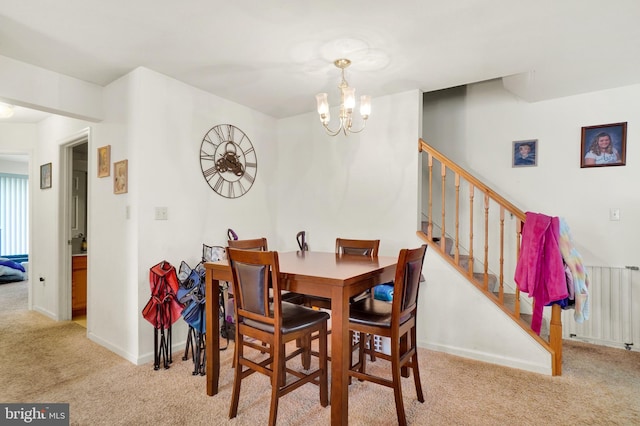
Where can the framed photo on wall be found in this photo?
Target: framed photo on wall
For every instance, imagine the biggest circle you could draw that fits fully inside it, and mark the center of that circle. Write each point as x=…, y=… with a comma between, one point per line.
x=120, y=177
x=525, y=153
x=604, y=145
x=104, y=161
x=45, y=176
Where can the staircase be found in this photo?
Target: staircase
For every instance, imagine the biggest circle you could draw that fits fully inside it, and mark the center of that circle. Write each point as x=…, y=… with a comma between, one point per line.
x=451, y=224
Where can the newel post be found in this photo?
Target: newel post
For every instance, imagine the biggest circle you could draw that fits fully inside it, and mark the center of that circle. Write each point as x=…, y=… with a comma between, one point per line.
x=555, y=339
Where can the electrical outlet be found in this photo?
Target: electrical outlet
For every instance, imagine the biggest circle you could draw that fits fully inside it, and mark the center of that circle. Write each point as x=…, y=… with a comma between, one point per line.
x=162, y=213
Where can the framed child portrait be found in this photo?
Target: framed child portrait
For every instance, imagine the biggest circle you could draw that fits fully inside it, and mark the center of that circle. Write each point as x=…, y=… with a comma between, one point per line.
x=104, y=161
x=525, y=153
x=120, y=177
x=604, y=145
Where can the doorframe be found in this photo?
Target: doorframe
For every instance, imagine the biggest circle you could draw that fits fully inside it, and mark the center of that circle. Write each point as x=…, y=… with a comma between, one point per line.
x=64, y=227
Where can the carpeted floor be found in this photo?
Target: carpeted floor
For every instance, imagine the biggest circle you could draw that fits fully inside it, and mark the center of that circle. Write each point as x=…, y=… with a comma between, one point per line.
x=48, y=361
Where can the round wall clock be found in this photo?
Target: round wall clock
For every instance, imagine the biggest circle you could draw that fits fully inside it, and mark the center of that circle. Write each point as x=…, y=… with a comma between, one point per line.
x=228, y=161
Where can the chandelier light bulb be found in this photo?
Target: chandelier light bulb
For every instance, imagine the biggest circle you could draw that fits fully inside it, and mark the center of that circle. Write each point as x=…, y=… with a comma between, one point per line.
x=365, y=106
x=349, y=97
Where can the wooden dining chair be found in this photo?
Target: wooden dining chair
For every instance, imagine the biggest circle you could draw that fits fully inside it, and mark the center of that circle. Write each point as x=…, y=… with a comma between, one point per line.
x=396, y=321
x=358, y=247
x=367, y=248
x=260, y=319
x=344, y=246
x=259, y=244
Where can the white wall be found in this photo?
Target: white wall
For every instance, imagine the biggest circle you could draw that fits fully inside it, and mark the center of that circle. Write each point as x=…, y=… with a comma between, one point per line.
x=34, y=87
x=47, y=237
x=170, y=120
x=15, y=166
x=157, y=124
x=456, y=318
x=359, y=186
x=489, y=119
x=17, y=138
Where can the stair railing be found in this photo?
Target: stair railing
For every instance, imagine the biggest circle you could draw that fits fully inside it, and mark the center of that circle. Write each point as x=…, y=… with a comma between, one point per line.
x=452, y=194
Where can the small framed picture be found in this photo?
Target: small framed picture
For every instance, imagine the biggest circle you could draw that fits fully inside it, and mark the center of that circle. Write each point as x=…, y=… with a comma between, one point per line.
x=604, y=145
x=104, y=161
x=120, y=177
x=45, y=176
x=525, y=153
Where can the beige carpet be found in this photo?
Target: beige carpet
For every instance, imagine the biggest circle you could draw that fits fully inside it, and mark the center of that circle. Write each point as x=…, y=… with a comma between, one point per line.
x=49, y=361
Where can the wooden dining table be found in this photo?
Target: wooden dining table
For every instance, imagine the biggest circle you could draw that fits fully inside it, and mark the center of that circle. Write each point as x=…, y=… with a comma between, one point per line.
x=315, y=273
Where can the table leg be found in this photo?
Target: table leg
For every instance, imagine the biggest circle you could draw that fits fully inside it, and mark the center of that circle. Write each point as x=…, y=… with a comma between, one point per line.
x=212, y=344
x=340, y=356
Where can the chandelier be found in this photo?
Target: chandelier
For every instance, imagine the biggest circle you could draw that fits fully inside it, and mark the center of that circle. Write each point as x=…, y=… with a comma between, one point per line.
x=347, y=103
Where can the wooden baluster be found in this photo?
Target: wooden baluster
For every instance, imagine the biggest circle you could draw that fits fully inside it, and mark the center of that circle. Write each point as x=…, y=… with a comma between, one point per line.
x=443, y=174
x=456, y=252
x=471, y=194
x=518, y=237
x=485, y=281
x=430, y=209
x=501, y=291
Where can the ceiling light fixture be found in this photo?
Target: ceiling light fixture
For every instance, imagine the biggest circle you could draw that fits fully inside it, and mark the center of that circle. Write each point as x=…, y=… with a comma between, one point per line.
x=347, y=103
x=6, y=111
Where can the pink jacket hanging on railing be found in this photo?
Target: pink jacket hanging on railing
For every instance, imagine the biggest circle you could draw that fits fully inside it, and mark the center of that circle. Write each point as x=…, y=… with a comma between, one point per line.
x=540, y=270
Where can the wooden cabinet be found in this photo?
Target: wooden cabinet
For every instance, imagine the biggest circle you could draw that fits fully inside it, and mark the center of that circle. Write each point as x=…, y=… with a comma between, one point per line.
x=79, y=285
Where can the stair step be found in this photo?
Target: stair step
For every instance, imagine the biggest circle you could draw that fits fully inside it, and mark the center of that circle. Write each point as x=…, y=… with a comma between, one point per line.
x=508, y=300
x=492, y=280
x=544, y=329
x=448, y=244
x=463, y=261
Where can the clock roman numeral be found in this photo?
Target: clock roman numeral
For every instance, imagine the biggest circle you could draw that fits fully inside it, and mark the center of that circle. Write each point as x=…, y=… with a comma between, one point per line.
x=236, y=188
x=208, y=140
x=219, y=133
x=230, y=130
x=211, y=171
x=249, y=178
x=207, y=156
x=218, y=186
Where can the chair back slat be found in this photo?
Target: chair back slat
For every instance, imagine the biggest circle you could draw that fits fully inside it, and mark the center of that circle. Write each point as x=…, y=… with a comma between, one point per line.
x=357, y=247
x=257, y=244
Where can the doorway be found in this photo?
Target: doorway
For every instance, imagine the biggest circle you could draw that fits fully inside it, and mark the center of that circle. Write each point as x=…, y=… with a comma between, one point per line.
x=74, y=227
x=78, y=232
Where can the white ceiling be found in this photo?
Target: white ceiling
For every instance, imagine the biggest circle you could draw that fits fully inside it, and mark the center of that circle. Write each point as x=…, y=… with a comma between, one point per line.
x=274, y=55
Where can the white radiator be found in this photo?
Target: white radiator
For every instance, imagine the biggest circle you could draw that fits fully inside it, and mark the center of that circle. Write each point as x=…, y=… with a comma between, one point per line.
x=612, y=314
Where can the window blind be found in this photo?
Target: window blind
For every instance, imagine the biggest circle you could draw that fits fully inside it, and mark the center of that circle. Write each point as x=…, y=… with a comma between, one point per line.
x=14, y=214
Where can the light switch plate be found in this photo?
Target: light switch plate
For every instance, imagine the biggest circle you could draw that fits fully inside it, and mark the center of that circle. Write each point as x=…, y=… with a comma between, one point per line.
x=614, y=214
x=162, y=213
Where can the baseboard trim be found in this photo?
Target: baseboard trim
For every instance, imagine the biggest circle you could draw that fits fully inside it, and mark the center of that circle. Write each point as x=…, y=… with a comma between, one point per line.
x=490, y=358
